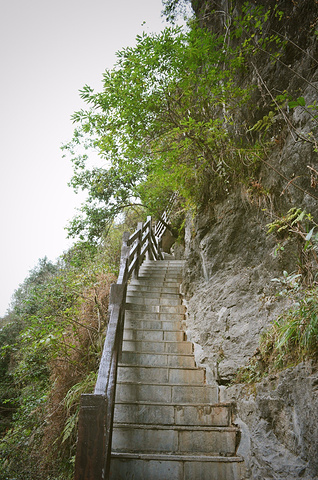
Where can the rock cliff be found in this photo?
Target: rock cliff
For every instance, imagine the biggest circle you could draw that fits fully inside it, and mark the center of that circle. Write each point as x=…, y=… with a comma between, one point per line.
x=231, y=260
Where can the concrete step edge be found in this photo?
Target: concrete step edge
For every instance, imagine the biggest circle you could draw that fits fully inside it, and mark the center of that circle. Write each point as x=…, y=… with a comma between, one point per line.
x=177, y=316
x=153, y=289
x=181, y=342
x=144, y=308
x=174, y=324
x=174, y=404
x=159, y=276
x=184, y=428
x=159, y=384
x=131, y=365
x=174, y=457
x=138, y=293
x=151, y=330
x=145, y=281
x=162, y=384
x=159, y=295
x=170, y=354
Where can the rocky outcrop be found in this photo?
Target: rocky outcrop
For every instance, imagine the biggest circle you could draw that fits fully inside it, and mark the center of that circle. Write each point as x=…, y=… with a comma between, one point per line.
x=278, y=422
x=230, y=296
x=230, y=262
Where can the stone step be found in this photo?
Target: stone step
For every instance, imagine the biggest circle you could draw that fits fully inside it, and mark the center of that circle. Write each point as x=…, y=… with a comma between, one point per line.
x=160, y=375
x=157, y=347
x=173, y=414
x=175, y=467
x=168, y=424
x=154, y=289
x=157, y=272
x=157, y=359
x=151, y=295
x=163, y=262
x=156, y=267
x=161, y=265
x=159, y=279
x=174, y=439
x=138, y=299
x=166, y=273
x=178, y=309
x=153, y=316
x=154, y=335
x=175, y=270
x=139, y=324
x=171, y=393
x=178, y=265
x=154, y=283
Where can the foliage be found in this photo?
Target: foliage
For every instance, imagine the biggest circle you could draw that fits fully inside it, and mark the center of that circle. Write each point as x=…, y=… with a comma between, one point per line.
x=291, y=339
x=164, y=122
x=252, y=27
x=294, y=335
x=299, y=225
x=281, y=106
x=173, y=9
x=52, y=342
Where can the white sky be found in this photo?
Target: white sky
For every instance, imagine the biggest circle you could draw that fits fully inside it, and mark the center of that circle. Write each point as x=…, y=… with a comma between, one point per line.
x=49, y=50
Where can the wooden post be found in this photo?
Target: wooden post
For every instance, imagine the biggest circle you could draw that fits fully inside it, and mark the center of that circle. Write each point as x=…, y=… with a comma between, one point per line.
x=139, y=240
x=91, y=441
x=123, y=259
x=149, y=252
x=96, y=411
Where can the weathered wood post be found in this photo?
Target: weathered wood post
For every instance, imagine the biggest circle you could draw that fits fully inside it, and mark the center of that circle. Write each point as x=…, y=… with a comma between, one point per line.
x=138, y=250
x=97, y=410
x=149, y=251
x=89, y=463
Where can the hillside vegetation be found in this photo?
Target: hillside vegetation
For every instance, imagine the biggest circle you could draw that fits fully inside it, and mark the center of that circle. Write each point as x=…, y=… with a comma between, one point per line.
x=50, y=346
x=189, y=110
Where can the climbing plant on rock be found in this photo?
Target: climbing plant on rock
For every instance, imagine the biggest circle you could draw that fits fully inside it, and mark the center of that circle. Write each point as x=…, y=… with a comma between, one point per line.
x=164, y=121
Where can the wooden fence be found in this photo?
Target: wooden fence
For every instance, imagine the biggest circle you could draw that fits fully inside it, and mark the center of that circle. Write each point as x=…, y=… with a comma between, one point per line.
x=97, y=409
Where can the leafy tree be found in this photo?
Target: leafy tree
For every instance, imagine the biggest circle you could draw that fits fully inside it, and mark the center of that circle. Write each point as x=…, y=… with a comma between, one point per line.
x=173, y=9
x=51, y=341
x=163, y=122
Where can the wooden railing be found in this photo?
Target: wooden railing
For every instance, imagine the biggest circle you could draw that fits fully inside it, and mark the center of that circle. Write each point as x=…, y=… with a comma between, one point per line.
x=97, y=409
x=161, y=225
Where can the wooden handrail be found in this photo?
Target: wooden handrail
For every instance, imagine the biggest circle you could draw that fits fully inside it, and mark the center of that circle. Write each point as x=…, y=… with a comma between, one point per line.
x=97, y=410
x=161, y=225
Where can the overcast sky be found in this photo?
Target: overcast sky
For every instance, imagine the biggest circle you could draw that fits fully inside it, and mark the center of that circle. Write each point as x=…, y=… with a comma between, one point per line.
x=49, y=50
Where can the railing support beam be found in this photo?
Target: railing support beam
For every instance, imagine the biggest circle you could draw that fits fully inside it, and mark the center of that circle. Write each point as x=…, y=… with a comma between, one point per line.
x=97, y=410
x=91, y=441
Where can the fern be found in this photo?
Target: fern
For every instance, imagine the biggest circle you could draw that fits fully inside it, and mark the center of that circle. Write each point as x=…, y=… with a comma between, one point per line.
x=70, y=426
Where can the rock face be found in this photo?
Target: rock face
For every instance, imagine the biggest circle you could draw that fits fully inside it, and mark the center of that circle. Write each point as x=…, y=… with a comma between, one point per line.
x=230, y=262
x=279, y=425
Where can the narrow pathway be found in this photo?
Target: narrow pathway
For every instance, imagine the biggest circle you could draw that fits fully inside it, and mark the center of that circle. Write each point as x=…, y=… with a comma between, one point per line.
x=168, y=424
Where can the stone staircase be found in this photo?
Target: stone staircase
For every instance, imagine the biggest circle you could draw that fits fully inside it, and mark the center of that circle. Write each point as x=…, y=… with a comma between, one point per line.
x=168, y=424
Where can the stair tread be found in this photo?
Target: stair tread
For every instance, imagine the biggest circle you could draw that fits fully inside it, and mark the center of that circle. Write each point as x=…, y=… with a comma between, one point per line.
x=144, y=352
x=154, y=330
x=203, y=385
x=175, y=404
x=176, y=457
x=202, y=428
x=169, y=417
x=158, y=341
x=162, y=384
x=130, y=365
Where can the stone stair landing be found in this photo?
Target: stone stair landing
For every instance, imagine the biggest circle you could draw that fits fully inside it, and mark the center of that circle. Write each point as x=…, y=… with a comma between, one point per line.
x=168, y=424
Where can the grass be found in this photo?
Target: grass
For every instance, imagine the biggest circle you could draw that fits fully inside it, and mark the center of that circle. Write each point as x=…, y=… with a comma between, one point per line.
x=292, y=339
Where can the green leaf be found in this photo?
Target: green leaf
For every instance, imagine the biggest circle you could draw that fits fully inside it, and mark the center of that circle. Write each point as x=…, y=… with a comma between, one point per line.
x=296, y=103
x=310, y=234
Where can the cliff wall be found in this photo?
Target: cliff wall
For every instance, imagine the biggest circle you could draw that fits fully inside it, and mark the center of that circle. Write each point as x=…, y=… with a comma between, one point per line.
x=231, y=261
